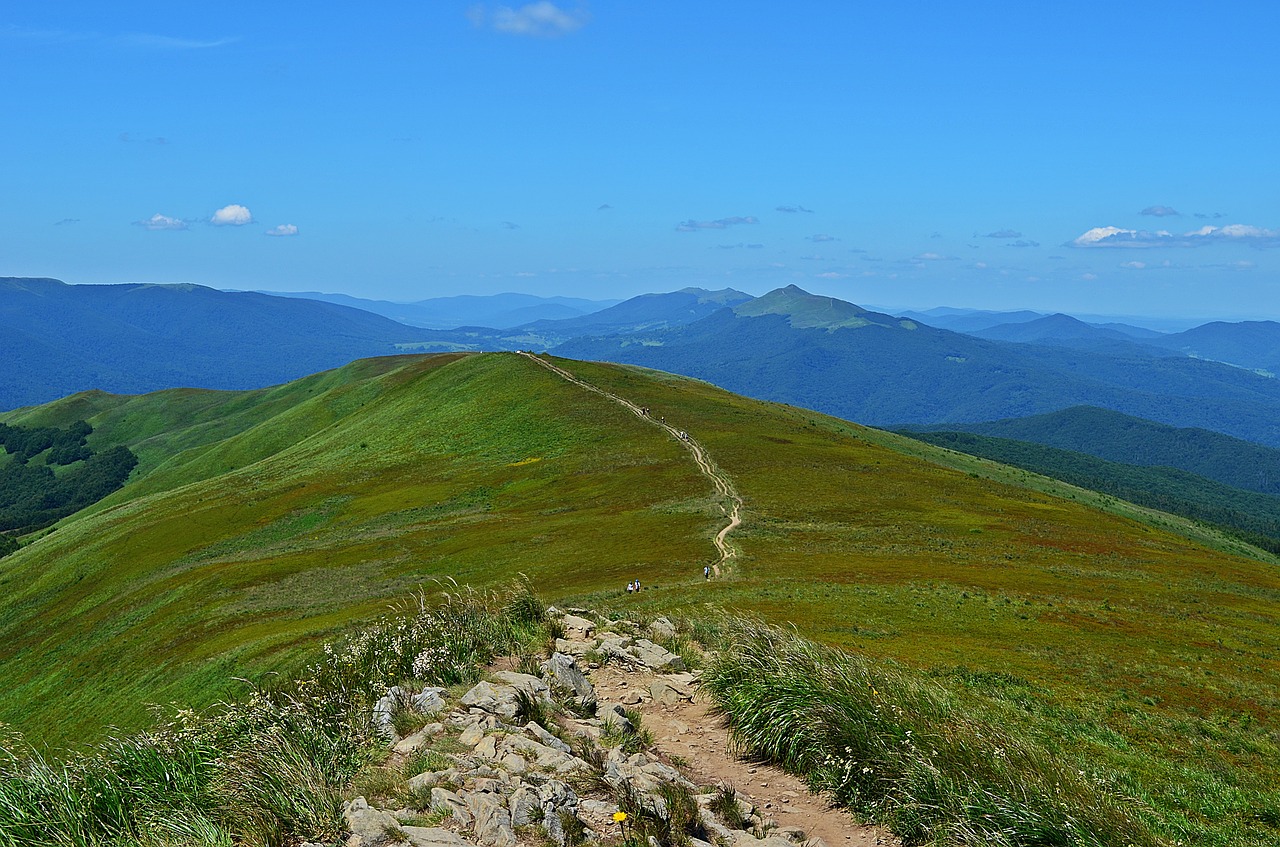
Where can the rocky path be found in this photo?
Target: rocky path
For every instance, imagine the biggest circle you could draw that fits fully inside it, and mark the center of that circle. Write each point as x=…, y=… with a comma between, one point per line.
x=731, y=502
x=497, y=778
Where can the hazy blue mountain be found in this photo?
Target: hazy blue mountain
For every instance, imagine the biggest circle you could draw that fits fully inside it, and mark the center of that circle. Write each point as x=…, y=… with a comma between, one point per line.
x=882, y=370
x=1123, y=438
x=643, y=313
x=968, y=320
x=1246, y=344
x=59, y=338
x=498, y=311
x=1052, y=328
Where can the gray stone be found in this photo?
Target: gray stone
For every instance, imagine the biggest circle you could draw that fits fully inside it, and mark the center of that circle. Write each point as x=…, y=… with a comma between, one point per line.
x=494, y=699
x=372, y=826
x=525, y=681
x=443, y=798
x=717, y=830
x=562, y=670
x=668, y=694
x=429, y=701
x=583, y=625
x=656, y=657
x=540, y=733
x=514, y=763
x=632, y=698
x=794, y=834
x=523, y=803
x=387, y=706
x=418, y=740
x=662, y=628
x=471, y=735
x=492, y=819
x=431, y=836
x=574, y=648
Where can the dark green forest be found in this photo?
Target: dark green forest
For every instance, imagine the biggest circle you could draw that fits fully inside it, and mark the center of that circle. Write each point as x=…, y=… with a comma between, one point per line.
x=33, y=495
x=1250, y=516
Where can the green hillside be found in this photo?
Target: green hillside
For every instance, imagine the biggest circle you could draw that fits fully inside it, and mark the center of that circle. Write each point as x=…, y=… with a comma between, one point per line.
x=261, y=523
x=1251, y=516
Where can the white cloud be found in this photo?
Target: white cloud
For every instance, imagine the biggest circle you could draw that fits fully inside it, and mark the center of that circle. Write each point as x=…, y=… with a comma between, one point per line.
x=542, y=19
x=934, y=257
x=1088, y=277
x=1160, y=211
x=233, y=215
x=159, y=222
x=1114, y=236
x=831, y=275
x=1133, y=266
x=820, y=237
x=282, y=230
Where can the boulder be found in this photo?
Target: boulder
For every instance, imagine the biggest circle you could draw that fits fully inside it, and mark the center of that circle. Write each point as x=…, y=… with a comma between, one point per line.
x=429, y=701
x=443, y=798
x=562, y=670
x=669, y=690
x=495, y=699
x=541, y=735
x=574, y=648
x=582, y=625
x=418, y=740
x=371, y=826
x=492, y=819
x=656, y=657
x=431, y=836
x=662, y=628
x=471, y=736
x=525, y=681
x=523, y=804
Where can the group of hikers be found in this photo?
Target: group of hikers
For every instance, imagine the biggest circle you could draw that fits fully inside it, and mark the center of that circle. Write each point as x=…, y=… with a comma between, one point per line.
x=634, y=585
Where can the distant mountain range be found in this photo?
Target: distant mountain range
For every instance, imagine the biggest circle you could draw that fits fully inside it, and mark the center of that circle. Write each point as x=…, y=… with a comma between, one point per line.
x=789, y=345
x=59, y=339
x=498, y=311
x=798, y=348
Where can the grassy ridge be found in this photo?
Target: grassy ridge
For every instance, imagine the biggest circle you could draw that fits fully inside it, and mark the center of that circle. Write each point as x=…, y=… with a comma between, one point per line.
x=472, y=469
x=1093, y=626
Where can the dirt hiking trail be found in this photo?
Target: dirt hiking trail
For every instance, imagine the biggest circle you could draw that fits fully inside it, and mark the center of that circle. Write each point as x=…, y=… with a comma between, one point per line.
x=731, y=502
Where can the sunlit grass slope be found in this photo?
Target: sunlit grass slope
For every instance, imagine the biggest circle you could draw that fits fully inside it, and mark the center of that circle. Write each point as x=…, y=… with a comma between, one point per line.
x=267, y=520
x=327, y=500
x=1093, y=624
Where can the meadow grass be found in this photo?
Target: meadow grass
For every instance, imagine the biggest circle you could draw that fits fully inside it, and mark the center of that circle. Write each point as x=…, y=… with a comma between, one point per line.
x=269, y=768
x=1094, y=628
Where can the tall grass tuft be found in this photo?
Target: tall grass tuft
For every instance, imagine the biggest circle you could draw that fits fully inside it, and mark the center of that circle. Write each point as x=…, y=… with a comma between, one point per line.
x=269, y=768
x=900, y=751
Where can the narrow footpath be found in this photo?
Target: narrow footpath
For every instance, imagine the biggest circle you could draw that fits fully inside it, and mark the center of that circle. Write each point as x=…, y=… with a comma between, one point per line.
x=730, y=501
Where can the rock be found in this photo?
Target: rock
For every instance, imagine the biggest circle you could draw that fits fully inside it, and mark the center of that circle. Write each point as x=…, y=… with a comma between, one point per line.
x=494, y=699
x=492, y=819
x=562, y=670
x=574, y=648
x=523, y=804
x=372, y=826
x=488, y=747
x=430, y=836
x=613, y=713
x=794, y=834
x=471, y=736
x=632, y=698
x=429, y=701
x=773, y=840
x=655, y=657
x=719, y=833
x=662, y=628
x=543, y=736
x=583, y=625
x=442, y=798
x=668, y=691
x=525, y=681
x=387, y=706
x=514, y=763
x=418, y=740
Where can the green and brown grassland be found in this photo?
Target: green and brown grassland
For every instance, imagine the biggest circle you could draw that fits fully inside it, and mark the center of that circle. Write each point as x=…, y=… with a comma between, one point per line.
x=1138, y=647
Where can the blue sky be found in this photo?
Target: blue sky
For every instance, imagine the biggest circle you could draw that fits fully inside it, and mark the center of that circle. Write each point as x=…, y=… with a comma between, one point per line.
x=1119, y=159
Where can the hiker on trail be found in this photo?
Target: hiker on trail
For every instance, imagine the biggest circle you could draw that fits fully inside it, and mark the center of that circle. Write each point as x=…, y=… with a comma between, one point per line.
x=637, y=585
x=706, y=572
x=630, y=587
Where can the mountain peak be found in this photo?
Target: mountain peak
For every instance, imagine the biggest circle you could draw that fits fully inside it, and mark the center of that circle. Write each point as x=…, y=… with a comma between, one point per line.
x=805, y=310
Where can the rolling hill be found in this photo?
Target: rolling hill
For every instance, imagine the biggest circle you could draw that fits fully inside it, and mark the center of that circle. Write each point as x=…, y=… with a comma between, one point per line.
x=260, y=523
x=500, y=311
x=61, y=338
x=880, y=370
x=1135, y=441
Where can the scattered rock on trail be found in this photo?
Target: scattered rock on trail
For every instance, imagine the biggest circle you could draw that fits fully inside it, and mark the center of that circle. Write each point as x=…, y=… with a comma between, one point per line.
x=496, y=776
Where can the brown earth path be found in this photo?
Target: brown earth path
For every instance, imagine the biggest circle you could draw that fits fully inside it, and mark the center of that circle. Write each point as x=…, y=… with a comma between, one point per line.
x=691, y=736
x=731, y=502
